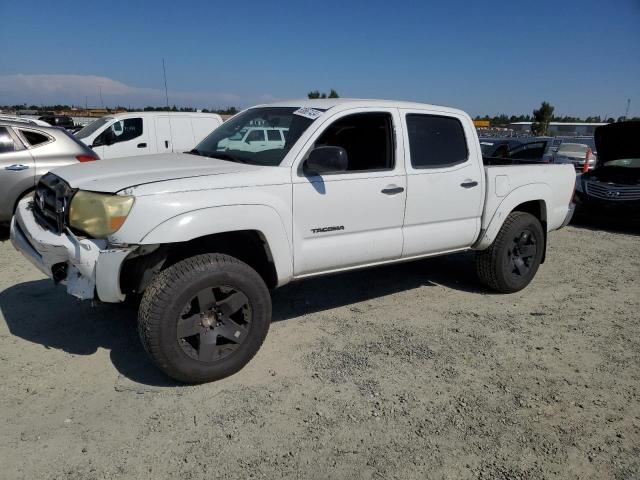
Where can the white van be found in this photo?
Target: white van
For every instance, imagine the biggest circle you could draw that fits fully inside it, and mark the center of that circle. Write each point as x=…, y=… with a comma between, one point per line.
x=146, y=133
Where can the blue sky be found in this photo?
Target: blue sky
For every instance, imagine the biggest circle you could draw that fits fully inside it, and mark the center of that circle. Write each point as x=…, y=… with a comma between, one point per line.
x=485, y=57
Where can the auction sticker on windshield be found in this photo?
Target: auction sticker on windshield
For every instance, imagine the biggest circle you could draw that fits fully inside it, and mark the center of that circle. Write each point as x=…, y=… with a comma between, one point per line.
x=307, y=112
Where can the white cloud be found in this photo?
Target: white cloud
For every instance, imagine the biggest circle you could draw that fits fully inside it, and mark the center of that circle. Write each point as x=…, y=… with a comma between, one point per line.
x=72, y=89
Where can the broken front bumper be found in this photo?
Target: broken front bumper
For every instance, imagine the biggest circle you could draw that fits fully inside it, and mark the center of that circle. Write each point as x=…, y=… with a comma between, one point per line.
x=86, y=266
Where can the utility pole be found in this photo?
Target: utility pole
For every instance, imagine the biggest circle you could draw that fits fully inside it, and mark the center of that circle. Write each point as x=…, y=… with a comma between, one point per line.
x=101, y=102
x=626, y=113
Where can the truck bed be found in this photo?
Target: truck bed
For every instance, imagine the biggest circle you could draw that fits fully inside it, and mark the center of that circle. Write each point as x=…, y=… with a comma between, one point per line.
x=509, y=185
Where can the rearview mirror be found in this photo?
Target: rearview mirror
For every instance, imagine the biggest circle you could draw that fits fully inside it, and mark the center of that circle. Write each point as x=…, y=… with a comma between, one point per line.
x=327, y=160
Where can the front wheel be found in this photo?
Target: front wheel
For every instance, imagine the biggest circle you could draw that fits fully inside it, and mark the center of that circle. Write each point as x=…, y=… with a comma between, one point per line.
x=512, y=260
x=204, y=318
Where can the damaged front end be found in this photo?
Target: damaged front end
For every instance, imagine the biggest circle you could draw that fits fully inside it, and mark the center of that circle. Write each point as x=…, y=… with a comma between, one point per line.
x=90, y=268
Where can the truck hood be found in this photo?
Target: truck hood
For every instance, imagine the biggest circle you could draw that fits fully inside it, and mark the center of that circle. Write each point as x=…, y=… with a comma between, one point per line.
x=116, y=174
x=617, y=140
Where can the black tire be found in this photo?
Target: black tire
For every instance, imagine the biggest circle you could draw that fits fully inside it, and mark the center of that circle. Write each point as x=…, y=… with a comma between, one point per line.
x=512, y=260
x=194, y=298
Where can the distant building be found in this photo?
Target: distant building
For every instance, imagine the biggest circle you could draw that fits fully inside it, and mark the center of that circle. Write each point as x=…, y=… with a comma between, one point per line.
x=482, y=123
x=569, y=129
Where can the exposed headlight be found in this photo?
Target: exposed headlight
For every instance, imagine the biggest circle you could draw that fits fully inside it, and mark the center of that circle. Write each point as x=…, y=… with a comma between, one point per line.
x=99, y=214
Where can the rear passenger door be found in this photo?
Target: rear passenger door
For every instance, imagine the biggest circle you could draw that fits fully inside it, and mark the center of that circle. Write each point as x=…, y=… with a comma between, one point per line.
x=444, y=183
x=352, y=217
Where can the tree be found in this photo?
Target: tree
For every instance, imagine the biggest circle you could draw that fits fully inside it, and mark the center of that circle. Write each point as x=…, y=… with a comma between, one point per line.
x=541, y=119
x=313, y=94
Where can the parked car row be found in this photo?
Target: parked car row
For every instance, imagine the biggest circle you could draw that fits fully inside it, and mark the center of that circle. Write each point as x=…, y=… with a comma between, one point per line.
x=144, y=133
x=576, y=151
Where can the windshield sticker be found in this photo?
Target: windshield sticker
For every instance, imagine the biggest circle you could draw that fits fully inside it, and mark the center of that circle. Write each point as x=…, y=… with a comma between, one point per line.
x=307, y=112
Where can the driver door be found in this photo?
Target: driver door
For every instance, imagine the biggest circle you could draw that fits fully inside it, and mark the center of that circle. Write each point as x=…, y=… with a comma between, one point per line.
x=123, y=138
x=352, y=217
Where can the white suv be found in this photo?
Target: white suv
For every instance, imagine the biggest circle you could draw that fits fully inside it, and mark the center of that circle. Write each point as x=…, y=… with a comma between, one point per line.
x=254, y=139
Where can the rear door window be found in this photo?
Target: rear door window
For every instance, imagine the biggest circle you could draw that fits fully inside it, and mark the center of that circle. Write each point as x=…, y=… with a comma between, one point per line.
x=34, y=138
x=436, y=141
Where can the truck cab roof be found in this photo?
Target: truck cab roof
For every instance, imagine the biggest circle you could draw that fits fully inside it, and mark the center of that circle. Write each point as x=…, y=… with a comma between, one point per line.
x=346, y=103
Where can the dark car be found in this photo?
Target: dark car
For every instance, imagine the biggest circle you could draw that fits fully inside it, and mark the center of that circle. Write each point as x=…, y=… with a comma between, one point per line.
x=612, y=188
x=62, y=121
x=497, y=147
x=524, y=150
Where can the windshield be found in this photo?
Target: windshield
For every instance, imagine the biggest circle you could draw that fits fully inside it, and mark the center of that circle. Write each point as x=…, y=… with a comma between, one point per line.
x=624, y=162
x=92, y=127
x=231, y=142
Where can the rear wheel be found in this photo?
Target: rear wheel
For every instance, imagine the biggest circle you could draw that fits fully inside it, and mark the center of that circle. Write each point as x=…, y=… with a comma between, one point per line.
x=204, y=318
x=512, y=260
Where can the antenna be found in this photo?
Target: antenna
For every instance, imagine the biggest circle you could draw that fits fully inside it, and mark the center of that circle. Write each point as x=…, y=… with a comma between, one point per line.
x=166, y=92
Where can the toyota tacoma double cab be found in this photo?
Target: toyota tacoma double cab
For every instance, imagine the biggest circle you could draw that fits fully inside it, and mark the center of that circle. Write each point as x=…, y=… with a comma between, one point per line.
x=204, y=236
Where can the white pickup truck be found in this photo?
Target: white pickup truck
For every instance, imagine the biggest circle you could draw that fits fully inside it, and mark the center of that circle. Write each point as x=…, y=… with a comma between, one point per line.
x=205, y=235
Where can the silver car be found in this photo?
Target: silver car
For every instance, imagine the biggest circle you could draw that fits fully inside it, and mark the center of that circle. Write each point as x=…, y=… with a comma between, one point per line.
x=29, y=151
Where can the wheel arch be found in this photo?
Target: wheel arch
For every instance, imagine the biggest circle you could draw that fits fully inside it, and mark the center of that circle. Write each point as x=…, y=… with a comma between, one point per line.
x=533, y=199
x=255, y=234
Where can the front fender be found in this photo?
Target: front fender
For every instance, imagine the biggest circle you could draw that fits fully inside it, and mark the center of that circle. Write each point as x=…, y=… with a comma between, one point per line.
x=208, y=221
x=526, y=193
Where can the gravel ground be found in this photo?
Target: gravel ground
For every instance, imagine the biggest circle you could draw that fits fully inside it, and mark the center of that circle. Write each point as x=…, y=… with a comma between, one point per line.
x=407, y=371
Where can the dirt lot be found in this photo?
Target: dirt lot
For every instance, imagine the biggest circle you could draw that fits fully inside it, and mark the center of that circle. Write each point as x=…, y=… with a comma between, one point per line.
x=408, y=371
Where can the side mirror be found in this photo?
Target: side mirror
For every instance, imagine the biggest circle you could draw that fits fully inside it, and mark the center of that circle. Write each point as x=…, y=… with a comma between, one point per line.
x=327, y=160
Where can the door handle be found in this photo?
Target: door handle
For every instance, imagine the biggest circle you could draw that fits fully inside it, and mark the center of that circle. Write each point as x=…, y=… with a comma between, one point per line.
x=166, y=144
x=392, y=190
x=142, y=145
x=469, y=184
x=16, y=167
